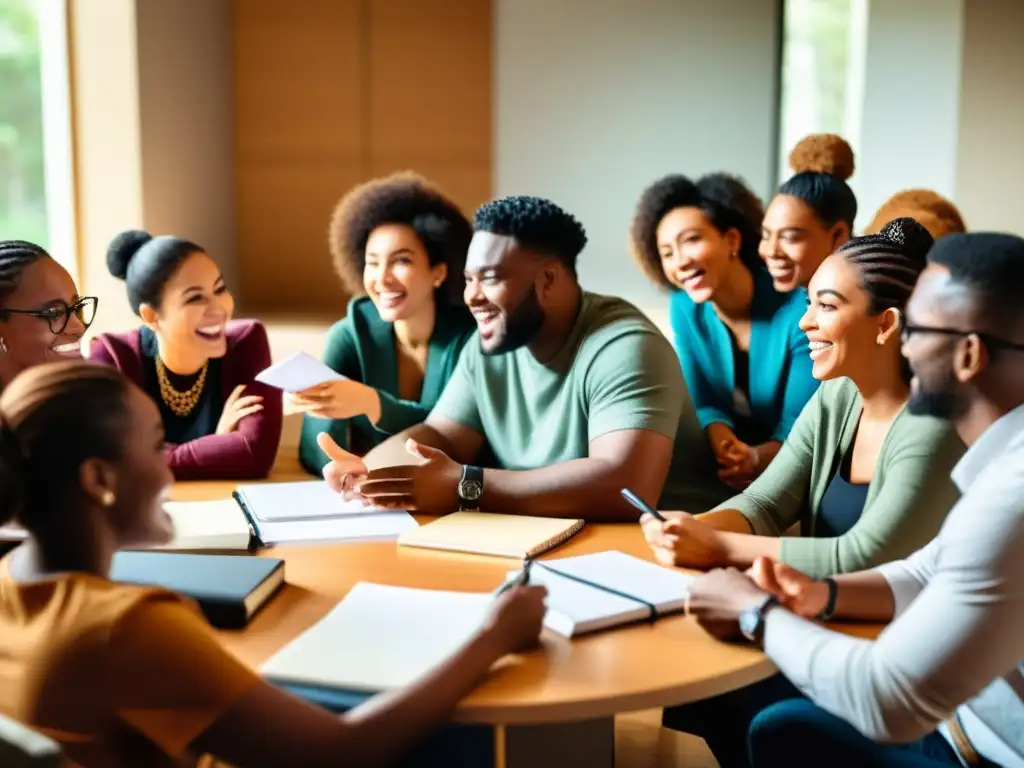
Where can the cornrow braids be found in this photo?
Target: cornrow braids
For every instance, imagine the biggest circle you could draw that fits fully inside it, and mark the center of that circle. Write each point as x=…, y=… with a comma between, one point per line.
x=890, y=262
x=15, y=256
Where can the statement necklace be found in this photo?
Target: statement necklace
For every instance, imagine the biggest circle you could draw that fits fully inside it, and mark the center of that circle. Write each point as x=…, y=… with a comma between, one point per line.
x=180, y=403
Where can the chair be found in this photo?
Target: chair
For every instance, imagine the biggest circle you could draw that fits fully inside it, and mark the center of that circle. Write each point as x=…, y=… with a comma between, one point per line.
x=21, y=747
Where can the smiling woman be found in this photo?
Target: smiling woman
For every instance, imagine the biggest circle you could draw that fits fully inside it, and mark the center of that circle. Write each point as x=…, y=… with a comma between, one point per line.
x=193, y=360
x=42, y=317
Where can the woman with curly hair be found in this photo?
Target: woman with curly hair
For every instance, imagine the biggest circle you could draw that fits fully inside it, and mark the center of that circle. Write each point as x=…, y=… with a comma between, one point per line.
x=699, y=241
x=399, y=246
x=813, y=212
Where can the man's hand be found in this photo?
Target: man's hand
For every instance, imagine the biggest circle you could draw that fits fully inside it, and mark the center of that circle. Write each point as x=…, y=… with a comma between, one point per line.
x=343, y=470
x=719, y=597
x=684, y=541
x=430, y=487
x=798, y=592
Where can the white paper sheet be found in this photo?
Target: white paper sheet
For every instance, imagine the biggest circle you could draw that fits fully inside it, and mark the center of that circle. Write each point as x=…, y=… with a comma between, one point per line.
x=304, y=500
x=298, y=372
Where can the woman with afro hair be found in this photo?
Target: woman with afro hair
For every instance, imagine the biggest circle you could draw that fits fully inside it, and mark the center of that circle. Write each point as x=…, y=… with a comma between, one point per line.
x=743, y=354
x=813, y=212
x=399, y=246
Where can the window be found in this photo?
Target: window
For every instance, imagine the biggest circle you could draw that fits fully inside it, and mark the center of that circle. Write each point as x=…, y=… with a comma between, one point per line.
x=22, y=170
x=822, y=71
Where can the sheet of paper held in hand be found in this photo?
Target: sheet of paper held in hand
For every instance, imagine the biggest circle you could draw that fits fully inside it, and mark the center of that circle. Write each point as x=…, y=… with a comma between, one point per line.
x=297, y=373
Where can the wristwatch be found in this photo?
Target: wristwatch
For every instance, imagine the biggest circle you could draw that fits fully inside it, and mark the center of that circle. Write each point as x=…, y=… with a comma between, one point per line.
x=751, y=620
x=471, y=488
x=830, y=607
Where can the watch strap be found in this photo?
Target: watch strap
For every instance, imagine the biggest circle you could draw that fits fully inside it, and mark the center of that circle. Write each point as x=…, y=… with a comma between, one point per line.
x=770, y=602
x=829, y=611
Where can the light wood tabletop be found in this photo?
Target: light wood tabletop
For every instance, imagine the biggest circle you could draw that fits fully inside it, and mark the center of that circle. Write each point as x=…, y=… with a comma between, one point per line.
x=648, y=665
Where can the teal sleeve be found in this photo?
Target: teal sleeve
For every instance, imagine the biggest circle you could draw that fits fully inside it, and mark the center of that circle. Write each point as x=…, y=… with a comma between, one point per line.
x=702, y=391
x=341, y=355
x=902, y=516
x=458, y=400
x=634, y=382
x=774, y=501
x=800, y=384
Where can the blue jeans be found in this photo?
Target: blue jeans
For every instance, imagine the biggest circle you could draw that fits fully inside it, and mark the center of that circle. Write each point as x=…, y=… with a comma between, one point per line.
x=771, y=723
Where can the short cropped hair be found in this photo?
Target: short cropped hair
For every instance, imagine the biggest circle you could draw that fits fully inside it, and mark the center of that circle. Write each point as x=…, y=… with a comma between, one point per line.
x=990, y=264
x=536, y=224
x=401, y=198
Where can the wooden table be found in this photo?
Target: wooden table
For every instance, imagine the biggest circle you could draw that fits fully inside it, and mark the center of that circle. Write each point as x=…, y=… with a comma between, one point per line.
x=553, y=706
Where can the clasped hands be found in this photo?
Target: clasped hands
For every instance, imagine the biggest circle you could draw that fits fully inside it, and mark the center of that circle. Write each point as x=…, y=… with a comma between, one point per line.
x=429, y=486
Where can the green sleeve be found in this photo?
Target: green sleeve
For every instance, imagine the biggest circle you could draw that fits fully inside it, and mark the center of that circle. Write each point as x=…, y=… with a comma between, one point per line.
x=341, y=355
x=906, y=512
x=458, y=400
x=775, y=500
x=634, y=382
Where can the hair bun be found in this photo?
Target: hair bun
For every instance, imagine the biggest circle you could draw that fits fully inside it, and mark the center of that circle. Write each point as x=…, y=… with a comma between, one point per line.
x=121, y=250
x=930, y=209
x=907, y=233
x=11, y=474
x=823, y=153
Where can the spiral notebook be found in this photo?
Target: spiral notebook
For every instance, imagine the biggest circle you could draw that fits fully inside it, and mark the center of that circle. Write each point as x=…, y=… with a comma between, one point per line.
x=480, y=533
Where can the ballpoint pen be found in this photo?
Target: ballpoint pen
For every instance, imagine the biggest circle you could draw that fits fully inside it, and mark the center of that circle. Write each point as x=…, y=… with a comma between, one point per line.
x=518, y=581
x=642, y=505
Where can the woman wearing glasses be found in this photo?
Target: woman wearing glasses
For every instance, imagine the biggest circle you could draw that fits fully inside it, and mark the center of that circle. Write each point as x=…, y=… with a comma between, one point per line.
x=867, y=481
x=196, y=363
x=42, y=317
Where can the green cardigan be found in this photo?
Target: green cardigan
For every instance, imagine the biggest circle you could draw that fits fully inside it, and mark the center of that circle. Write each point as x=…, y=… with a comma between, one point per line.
x=361, y=346
x=909, y=496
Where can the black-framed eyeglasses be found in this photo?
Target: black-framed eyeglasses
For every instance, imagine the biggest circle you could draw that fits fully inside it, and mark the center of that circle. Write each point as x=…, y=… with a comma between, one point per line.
x=59, y=315
x=995, y=342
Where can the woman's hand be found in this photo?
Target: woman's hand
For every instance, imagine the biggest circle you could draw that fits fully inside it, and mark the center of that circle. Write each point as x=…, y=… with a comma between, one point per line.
x=236, y=408
x=796, y=591
x=516, y=619
x=684, y=541
x=739, y=463
x=340, y=399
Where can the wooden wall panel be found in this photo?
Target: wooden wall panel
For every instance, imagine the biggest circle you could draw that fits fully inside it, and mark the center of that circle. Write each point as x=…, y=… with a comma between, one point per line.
x=329, y=93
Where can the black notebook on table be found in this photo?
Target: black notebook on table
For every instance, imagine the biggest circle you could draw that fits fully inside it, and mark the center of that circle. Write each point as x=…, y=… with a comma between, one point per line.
x=230, y=589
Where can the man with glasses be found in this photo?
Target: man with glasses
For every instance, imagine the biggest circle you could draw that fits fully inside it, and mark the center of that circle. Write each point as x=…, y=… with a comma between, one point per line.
x=944, y=682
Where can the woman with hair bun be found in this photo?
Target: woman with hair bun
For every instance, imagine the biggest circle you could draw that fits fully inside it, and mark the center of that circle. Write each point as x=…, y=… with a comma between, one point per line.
x=929, y=209
x=42, y=317
x=867, y=481
x=124, y=675
x=813, y=212
x=196, y=363
x=699, y=241
x=399, y=246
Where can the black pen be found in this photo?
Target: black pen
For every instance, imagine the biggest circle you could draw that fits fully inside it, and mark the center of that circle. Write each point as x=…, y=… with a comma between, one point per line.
x=642, y=505
x=519, y=581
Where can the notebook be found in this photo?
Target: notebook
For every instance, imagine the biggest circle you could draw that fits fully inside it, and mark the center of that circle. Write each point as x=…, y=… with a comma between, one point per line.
x=309, y=511
x=230, y=589
x=606, y=589
x=365, y=643
x=296, y=373
x=499, y=535
x=209, y=525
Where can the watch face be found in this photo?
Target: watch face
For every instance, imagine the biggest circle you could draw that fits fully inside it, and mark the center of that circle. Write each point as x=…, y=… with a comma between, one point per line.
x=470, y=490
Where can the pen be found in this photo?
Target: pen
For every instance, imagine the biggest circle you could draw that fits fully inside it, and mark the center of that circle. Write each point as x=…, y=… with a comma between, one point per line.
x=519, y=581
x=642, y=505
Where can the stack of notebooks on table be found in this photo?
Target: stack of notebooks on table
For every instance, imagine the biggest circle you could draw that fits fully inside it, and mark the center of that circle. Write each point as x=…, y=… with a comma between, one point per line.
x=480, y=533
x=363, y=645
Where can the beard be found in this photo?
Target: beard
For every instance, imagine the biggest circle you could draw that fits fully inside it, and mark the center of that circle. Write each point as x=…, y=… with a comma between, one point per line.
x=939, y=400
x=521, y=325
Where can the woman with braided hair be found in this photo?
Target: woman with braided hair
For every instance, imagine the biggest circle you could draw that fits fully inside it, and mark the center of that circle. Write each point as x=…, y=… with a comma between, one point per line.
x=42, y=317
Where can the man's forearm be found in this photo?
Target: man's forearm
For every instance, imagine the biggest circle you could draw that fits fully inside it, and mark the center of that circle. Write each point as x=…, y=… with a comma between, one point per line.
x=587, y=488
x=865, y=595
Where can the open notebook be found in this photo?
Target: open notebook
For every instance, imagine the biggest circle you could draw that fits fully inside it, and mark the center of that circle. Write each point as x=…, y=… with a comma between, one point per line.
x=481, y=533
x=606, y=589
x=366, y=642
x=310, y=511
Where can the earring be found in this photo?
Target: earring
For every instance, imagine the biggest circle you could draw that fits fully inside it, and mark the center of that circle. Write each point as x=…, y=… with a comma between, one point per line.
x=3, y=345
x=107, y=499
x=881, y=341
x=437, y=284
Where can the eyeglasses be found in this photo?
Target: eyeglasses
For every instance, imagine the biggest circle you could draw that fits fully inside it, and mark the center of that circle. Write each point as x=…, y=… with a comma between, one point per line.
x=59, y=314
x=992, y=341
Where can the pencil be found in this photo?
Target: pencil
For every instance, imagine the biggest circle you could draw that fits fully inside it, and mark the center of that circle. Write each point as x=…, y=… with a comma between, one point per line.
x=642, y=505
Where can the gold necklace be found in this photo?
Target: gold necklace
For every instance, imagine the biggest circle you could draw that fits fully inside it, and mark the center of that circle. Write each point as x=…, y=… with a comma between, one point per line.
x=180, y=403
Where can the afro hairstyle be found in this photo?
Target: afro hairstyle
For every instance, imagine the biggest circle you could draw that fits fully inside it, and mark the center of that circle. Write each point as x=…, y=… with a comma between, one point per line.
x=536, y=224
x=725, y=201
x=937, y=214
x=401, y=198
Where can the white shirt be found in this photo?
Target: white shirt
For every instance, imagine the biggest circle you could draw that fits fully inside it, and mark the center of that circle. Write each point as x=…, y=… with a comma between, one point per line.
x=957, y=640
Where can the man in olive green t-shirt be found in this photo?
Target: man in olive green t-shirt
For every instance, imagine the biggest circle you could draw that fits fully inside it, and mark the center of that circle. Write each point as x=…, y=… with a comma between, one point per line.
x=576, y=395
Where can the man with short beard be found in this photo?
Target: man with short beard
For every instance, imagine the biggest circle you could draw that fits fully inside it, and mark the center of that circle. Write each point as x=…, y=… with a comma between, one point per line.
x=944, y=683
x=576, y=395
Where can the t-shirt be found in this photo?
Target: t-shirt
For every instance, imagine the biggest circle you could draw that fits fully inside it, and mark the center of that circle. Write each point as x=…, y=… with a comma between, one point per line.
x=118, y=675
x=616, y=371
